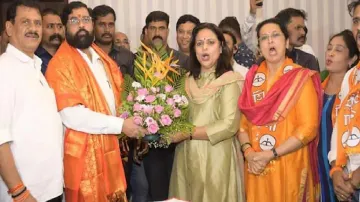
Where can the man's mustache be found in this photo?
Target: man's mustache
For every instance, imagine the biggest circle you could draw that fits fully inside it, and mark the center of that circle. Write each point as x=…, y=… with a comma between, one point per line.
x=302, y=38
x=56, y=36
x=157, y=37
x=82, y=30
x=32, y=34
x=107, y=34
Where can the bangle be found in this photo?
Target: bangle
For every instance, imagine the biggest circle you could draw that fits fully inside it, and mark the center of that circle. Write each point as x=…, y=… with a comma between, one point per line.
x=336, y=168
x=248, y=150
x=23, y=197
x=275, y=153
x=18, y=194
x=244, y=144
x=16, y=188
x=245, y=147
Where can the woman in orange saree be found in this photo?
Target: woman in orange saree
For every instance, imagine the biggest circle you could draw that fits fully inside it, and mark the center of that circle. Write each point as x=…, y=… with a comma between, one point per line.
x=278, y=132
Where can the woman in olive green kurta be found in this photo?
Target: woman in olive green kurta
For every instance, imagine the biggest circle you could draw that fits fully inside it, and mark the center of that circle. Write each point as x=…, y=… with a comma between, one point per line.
x=206, y=168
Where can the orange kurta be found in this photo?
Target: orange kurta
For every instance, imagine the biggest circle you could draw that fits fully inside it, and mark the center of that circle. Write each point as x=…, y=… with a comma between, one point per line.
x=92, y=165
x=288, y=178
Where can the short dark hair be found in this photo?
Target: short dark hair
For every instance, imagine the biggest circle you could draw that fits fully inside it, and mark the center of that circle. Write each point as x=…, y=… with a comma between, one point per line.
x=223, y=63
x=285, y=15
x=228, y=32
x=352, y=6
x=157, y=16
x=70, y=7
x=50, y=11
x=101, y=11
x=230, y=23
x=12, y=10
x=350, y=42
x=272, y=21
x=187, y=18
x=143, y=30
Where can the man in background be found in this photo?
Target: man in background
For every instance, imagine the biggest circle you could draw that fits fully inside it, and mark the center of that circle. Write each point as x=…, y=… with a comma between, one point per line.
x=121, y=40
x=184, y=28
x=104, y=18
x=53, y=36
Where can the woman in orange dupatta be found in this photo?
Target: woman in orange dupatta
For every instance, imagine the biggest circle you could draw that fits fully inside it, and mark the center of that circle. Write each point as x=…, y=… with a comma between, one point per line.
x=278, y=132
x=342, y=53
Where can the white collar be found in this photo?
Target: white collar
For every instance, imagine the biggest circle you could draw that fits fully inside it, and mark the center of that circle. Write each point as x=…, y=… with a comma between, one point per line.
x=94, y=56
x=12, y=50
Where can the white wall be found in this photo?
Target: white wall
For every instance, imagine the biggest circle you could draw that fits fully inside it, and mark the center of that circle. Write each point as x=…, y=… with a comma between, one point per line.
x=325, y=17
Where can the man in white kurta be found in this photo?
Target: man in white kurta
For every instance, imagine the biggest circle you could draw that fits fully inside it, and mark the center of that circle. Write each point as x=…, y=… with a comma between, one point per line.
x=31, y=131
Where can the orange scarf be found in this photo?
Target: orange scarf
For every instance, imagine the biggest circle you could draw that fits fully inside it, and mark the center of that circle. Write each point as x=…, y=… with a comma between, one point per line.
x=74, y=84
x=348, y=119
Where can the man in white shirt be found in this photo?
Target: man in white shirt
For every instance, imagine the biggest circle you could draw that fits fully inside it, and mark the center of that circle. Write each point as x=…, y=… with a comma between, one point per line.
x=231, y=44
x=87, y=85
x=31, y=131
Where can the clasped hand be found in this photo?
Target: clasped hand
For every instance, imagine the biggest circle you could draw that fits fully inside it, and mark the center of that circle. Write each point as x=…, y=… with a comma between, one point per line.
x=257, y=161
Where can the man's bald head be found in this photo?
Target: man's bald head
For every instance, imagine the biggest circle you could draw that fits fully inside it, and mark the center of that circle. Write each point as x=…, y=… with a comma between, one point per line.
x=121, y=40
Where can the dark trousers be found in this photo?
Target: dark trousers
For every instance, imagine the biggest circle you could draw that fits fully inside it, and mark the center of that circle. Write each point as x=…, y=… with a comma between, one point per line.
x=56, y=199
x=136, y=179
x=158, y=165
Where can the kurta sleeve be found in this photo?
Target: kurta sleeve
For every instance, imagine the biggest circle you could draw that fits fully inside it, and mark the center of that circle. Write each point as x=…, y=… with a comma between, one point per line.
x=7, y=105
x=229, y=118
x=73, y=110
x=307, y=114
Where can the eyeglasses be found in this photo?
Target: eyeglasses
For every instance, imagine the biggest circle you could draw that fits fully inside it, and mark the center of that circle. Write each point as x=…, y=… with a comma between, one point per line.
x=76, y=21
x=267, y=37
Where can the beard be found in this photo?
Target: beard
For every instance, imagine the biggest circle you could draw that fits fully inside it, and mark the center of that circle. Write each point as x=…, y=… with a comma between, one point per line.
x=80, y=41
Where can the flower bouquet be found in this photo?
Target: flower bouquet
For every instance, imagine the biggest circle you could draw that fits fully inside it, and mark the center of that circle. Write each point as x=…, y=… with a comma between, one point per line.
x=156, y=97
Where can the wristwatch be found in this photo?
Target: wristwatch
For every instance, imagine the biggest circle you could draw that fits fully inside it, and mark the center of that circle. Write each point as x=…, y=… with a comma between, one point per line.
x=275, y=153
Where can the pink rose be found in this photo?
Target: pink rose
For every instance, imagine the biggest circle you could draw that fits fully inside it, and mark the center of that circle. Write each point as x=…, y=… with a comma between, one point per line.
x=148, y=109
x=153, y=89
x=177, y=98
x=159, y=109
x=177, y=112
x=170, y=101
x=138, y=120
x=137, y=107
x=168, y=88
x=124, y=115
x=149, y=120
x=165, y=120
x=142, y=91
x=153, y=128
x=150, y=98
x=130, y=98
